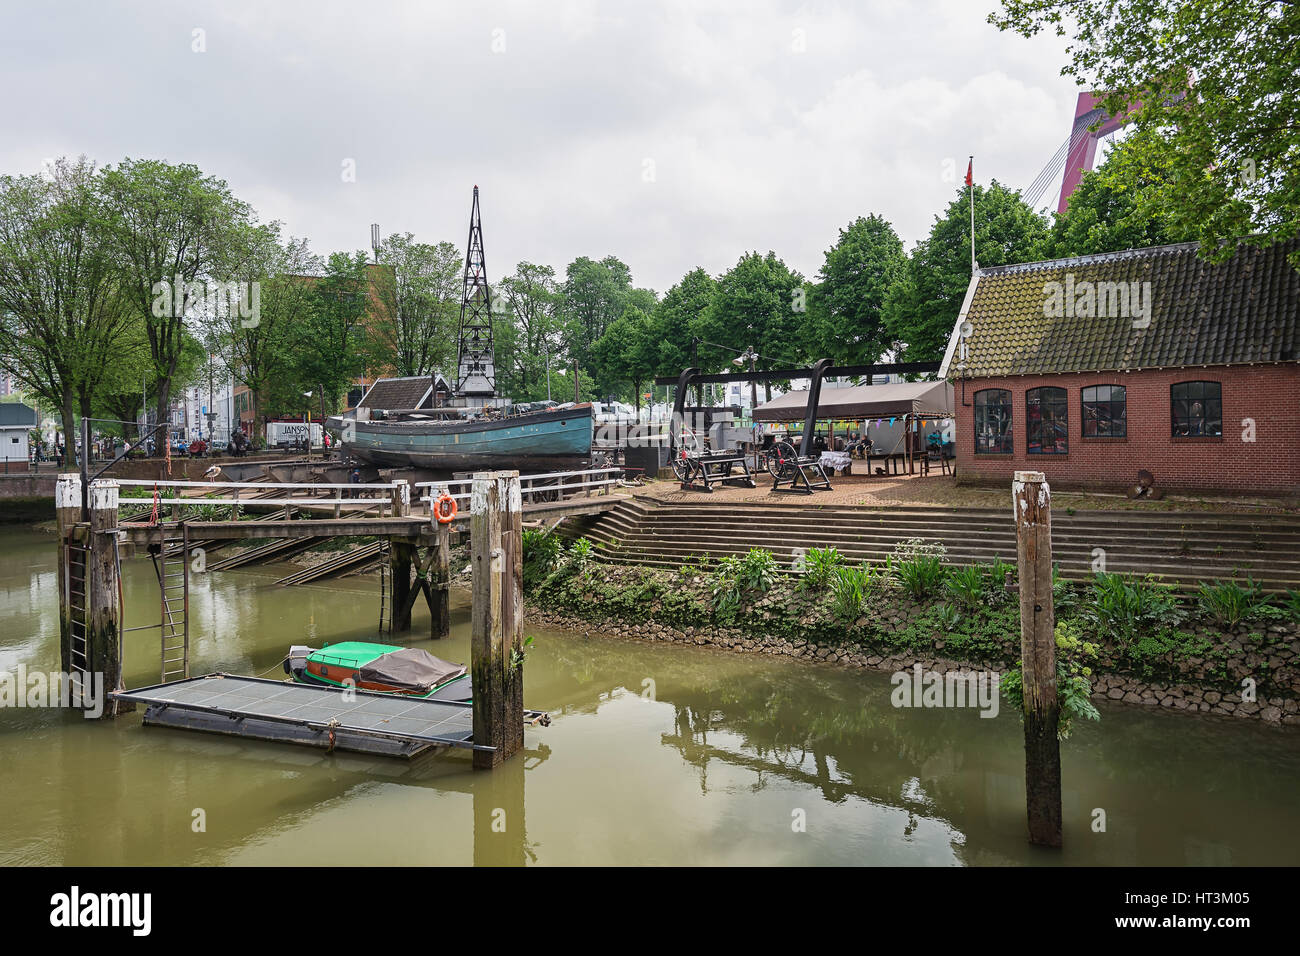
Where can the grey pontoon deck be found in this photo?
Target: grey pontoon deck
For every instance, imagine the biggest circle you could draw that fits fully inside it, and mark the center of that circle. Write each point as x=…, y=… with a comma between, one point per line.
x=289, y=712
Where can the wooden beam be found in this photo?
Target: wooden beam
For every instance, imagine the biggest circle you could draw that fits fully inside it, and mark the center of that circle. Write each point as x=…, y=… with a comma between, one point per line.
x=1031, y=497
x=439, y=593
x=496, y=637
x=104, y=608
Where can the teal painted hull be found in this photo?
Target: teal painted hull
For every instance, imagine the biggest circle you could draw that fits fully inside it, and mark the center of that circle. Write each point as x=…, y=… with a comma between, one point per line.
x=537, y=439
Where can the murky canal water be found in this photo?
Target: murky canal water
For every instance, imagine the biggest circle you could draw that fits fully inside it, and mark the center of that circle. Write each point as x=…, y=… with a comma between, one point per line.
x=656, y=755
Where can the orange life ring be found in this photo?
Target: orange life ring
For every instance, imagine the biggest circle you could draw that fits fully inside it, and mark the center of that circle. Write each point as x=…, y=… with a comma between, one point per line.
x=440, y=505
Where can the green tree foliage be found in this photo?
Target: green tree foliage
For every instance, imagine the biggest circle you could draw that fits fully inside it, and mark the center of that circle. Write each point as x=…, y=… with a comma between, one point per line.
x=1217, y=120
x=65, y=326
x=864, y=263
x=1112, y=210
x=335, y=342
x=419, y=304
x=175, y=225
x=595, y=294
x=922, y=305
x=628, y=352
x=262, y=351
x=677, y=317
x=528, y=332
x=759, y=301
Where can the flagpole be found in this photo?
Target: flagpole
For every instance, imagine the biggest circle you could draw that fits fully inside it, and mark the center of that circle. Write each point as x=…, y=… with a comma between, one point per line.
x=970, y=184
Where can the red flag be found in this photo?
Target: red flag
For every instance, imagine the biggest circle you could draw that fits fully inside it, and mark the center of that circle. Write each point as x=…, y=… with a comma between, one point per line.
x=969, y=169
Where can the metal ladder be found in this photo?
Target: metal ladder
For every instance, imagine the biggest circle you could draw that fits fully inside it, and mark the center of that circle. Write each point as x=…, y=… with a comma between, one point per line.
x=77, y=584
x=385, y=608
x=171, y=564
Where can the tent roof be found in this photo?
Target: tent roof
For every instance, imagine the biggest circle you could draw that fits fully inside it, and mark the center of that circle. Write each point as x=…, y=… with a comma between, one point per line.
x=861, y=401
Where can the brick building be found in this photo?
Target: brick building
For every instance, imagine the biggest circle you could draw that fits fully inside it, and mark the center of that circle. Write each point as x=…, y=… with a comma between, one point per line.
x=1090, y=369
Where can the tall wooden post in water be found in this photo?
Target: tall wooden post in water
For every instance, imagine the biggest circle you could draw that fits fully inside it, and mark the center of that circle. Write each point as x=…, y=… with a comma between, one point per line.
x=67, y=512
x=400, y=555
x=496, y=638
x=1031, y=499
x=440, y=583
x=103, y=593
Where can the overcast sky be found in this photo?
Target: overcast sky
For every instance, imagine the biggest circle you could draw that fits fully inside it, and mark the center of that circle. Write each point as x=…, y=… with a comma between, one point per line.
x=672, y=135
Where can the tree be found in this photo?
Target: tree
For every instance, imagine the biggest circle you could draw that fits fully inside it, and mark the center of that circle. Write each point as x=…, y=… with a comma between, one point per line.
x=1216, y=121
x=421, y=296
x=848, y=325
x=528, y=335
x=336, y=344
x=923, y=303
x=262, y=350
x=1112, y=211
x=676, y=317
x=173, y=229
x=64, y=323
x=595, y=294
x=760, y=302
x=628, y=351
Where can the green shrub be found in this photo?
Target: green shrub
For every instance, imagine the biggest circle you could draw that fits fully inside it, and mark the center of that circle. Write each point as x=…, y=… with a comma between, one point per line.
x=819, y=565
x=756, y=571
x=965, y=586
x=920, y=575
x=1227, y=603
x=947, y=617
x=1073, y=679
x=541, y=556
x=848, y=590
x=1122, y=608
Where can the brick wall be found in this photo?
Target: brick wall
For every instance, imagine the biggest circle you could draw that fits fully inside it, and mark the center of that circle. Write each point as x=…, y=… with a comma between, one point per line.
x=1269, y=394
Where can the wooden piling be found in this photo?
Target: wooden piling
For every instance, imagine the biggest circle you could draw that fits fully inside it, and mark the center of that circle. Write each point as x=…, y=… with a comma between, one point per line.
x=440, y=585
x=67, y=512
x=104, y=606
x=1031, y=498
x=401, y=554
x=496, y=639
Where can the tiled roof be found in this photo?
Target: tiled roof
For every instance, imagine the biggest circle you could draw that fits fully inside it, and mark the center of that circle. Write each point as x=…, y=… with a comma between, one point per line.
x=394, y=393
x=1246, y=310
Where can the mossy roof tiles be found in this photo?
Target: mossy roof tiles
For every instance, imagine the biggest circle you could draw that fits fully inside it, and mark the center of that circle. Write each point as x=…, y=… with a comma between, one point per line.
x=1245, y=310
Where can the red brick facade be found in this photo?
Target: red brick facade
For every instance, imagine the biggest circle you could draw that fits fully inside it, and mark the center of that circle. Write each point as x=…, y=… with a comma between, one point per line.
x=1267, y=394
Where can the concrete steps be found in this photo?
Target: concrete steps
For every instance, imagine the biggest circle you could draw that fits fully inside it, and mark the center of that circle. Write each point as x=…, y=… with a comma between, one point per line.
x=1182, y=547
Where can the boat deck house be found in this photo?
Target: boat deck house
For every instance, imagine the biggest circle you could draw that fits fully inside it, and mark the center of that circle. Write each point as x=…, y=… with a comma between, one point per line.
x=1091, y=369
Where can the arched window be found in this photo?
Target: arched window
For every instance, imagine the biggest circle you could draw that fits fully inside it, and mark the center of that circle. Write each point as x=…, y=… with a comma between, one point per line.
x=993, y=422
x=1196, y=409
x=1047, y=420
x=1105, y=411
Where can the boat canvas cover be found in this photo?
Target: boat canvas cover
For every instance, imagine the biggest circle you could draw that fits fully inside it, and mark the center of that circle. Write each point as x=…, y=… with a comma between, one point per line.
x=409, y=668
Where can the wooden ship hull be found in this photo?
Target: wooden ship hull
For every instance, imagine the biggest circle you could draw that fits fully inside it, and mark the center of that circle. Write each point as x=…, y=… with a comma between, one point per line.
x=554, y=438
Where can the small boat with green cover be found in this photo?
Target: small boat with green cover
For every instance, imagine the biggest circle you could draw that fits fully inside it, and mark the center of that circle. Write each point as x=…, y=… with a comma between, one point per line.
x=380, y=668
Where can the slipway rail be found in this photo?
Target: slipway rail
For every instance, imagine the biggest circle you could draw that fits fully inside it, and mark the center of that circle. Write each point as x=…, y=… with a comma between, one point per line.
x=325, y=717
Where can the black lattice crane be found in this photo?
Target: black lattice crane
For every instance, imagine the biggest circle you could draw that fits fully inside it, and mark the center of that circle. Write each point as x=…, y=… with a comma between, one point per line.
x=475, y=366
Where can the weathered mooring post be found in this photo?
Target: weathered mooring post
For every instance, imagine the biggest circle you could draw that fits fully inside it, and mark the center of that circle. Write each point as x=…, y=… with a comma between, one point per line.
x=401, y=553
x=67, y=512
x=1031, y=498
x=496, y=637
x=103, y=593
x=440, y=583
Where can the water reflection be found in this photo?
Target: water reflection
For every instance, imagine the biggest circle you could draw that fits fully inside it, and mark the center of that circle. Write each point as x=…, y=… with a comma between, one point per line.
x=656, y=754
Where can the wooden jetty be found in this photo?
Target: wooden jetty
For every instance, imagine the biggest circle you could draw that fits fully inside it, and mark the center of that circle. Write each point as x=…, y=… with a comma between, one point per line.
x=92, y=542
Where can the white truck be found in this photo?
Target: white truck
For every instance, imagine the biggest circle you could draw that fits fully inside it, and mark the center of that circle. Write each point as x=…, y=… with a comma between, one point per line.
x=288, y=434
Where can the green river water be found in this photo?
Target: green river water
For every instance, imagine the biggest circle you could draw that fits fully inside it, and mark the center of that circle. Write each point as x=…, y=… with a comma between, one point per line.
x=656, y=755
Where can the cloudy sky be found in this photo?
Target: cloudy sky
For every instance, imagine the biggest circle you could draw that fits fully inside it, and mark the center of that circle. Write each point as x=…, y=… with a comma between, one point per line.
x=670, y=134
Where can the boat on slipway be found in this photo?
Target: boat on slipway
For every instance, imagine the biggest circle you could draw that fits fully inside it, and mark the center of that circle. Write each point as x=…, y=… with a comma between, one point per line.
x=551, y=438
